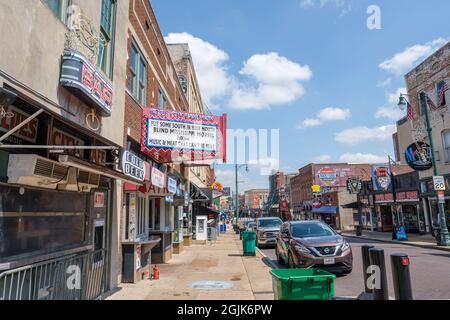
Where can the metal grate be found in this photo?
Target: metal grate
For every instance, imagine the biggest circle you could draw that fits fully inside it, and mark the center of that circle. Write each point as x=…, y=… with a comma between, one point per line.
x=76, y=277
x=326, y=250
x=43, y=168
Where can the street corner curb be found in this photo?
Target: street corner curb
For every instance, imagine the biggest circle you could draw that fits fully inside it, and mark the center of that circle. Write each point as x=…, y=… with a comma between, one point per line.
x=399, y=242
x=266, y=259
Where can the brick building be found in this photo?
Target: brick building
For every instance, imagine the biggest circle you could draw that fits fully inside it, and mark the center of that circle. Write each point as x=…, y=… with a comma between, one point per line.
x=429, y=77
x=329, y=204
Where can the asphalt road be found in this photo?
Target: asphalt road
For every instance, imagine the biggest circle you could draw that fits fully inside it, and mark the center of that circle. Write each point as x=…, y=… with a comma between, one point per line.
x=430, y=270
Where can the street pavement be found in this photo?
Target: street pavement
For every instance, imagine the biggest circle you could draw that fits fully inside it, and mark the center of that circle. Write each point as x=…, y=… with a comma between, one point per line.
x=430, y=271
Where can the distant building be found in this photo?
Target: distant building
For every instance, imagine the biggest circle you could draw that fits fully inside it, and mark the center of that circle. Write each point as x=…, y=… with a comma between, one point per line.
x=254, y=201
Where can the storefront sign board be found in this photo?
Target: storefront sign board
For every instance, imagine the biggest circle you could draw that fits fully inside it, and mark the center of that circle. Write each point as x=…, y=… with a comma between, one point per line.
x=173, y=136
x=133, y=166
x=171, y=185
x=158, y=178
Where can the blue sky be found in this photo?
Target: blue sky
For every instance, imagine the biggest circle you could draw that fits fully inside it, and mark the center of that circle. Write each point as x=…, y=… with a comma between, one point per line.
x=310, y=68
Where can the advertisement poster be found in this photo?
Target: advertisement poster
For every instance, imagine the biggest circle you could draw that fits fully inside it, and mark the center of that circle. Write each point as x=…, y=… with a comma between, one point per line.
x=329, y=176
x=172, y=136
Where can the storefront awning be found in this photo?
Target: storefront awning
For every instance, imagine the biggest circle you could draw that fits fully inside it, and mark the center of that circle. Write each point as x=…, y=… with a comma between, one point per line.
x=209, y=210
x=196, y=194
x=325, y=210
x=352, y=205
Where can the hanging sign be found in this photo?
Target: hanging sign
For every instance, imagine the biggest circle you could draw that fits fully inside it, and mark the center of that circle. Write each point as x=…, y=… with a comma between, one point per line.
x=173, y=136
x=157, y=178
x=79, y=74
x=381, y=178
x=315, y=188
x=171, y=185
x=354, y=185
x=133, y=166
x=418, y=156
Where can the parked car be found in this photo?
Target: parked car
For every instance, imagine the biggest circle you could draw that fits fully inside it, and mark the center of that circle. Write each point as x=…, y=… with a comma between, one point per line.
x=312, y=243
x=267, y=229
x=250, y=225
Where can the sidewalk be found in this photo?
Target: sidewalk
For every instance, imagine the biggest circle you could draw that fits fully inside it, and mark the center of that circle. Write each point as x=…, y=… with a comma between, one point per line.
x=218, y=261
x=416, y=240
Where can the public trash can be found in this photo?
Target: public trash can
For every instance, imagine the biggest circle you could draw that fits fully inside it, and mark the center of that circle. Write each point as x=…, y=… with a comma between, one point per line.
x=302, y=284
x=248, y=243
x=358, y=229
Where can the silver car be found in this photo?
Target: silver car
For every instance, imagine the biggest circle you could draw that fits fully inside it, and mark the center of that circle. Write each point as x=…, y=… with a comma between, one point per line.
x=267, y=230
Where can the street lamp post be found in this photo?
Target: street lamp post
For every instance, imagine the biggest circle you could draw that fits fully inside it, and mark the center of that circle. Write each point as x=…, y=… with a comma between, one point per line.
x=445, y=236
x=236, y=208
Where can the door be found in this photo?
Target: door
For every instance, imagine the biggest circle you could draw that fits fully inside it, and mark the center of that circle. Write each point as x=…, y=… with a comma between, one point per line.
x=386, y=218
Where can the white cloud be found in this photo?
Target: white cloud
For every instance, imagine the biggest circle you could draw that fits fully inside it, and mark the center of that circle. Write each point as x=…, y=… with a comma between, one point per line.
x=277, y=82
x=362, y=158
x=309, y=122
x=246, y=182
x=384, y=83
x=343, y=5
x=391, y=110
x=323, y=158
x=326, y=115
x=265, y=165
x=404, y=61
x=210, y=66
x=358, y=135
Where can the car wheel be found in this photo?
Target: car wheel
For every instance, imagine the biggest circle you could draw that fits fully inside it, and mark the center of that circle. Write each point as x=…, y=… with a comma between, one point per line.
x=290, y=261
x=279, y=259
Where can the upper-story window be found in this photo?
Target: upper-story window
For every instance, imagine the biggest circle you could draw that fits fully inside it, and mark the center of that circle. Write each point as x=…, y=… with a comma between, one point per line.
x=441, y=88
x=138, y=75
x=107, y=30
x=59, y=8
x=446, y=144
x=162, y=99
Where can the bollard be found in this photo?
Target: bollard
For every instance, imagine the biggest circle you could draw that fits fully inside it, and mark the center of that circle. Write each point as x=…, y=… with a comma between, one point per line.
x=366, y=263
x=401, y=277
x=380, y=289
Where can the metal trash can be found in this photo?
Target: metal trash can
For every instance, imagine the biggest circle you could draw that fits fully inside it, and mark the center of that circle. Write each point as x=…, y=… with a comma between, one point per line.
x=302, y=284
x=248, y=243
x=358, y=230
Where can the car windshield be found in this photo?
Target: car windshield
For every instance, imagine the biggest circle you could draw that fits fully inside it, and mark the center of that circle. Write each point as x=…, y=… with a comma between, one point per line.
x=311, y=230
x=266, y=223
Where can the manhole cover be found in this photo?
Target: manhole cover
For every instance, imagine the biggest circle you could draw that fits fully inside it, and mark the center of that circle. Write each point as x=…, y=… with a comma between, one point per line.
x=211, y=285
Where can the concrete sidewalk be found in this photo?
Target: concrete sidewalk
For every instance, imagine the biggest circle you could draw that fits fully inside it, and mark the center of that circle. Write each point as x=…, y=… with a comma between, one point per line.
x=416, y=240
x=221, y=260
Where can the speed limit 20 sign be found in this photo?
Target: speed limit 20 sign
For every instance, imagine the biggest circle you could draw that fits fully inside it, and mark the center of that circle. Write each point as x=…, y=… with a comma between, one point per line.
x=439, y=183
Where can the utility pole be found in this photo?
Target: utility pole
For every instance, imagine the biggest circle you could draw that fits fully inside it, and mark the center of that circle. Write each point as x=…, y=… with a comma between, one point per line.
x=236, y=209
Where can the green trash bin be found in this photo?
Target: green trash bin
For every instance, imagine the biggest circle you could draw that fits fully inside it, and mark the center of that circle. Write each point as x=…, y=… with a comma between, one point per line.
x=248, y=243
x=302, y=284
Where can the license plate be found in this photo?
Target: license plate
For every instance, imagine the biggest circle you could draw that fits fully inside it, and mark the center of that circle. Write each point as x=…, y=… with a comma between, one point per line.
x=329, y=261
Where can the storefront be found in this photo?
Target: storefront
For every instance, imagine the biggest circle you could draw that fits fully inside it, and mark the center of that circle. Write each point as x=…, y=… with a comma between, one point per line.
x=57, y=196
x=328, y=214
x=431, y=205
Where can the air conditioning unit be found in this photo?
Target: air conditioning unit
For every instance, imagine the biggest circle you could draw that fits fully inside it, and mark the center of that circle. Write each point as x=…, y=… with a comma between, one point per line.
x=34, y=170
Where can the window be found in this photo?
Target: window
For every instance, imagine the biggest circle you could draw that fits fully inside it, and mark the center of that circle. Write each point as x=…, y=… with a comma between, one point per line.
x=142, y=216
x=59, y=8
x=107, y=28
x=162, y=100
x=441, y=88
x=138, y=75
x=446, y=144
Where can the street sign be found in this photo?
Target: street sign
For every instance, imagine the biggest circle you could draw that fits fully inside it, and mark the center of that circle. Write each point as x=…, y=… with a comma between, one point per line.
x=439, y=183
x=441, y=196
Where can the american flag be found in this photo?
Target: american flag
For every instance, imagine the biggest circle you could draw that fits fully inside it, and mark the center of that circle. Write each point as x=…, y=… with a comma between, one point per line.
x=409, y=112
x=444, y=88
x=431, y=104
